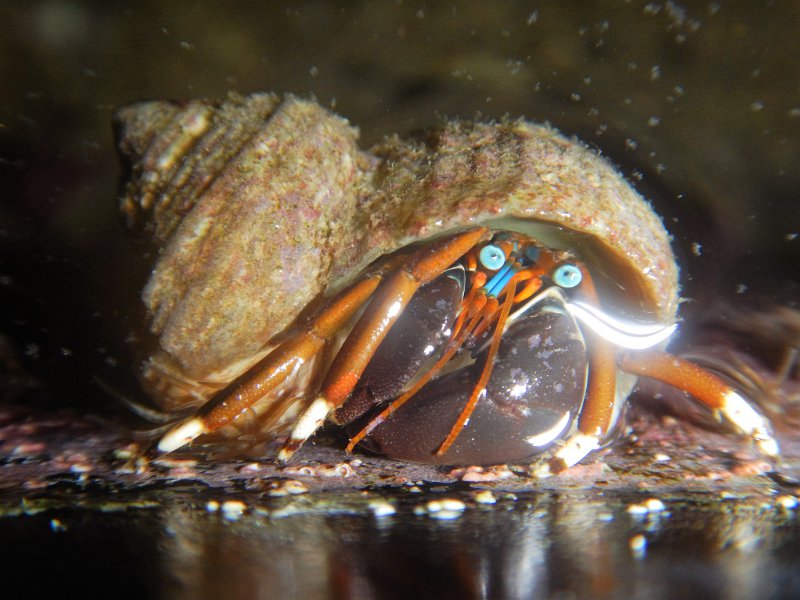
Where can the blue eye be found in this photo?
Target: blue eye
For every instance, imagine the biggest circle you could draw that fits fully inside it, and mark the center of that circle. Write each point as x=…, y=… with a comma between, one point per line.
x=492, y=257
x=567, y=276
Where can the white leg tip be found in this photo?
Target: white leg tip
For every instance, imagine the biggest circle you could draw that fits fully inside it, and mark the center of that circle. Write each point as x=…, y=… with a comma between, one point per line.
x=181, y=435
x=574, y=450
x=767, y=444
x=748, y=421
x=307, y=424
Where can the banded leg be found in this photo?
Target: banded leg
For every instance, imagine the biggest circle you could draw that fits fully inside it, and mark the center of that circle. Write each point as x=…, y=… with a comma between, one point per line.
x=480, y=387
x=371, y=328
x=277, y=367
x=708, y=389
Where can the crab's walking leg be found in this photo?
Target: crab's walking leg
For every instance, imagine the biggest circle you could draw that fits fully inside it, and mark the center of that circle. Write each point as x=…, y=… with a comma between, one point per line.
x=278, y=366
x=389, y=301
x=597, y=413
x=708, y=389
x=480, y=388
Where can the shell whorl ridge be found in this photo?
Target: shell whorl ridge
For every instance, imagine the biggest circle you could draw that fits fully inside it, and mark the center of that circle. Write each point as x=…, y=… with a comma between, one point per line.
x=259, y=204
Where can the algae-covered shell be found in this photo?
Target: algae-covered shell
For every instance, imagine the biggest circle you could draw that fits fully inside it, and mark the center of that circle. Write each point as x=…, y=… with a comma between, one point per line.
x=258, y=205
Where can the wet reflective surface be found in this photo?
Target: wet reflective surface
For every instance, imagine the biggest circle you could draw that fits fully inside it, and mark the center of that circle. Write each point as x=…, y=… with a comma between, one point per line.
x=546, y=545
x=670, y=511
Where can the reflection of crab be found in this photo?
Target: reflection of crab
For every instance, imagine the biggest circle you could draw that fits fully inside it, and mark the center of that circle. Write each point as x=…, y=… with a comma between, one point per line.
x=473, y=346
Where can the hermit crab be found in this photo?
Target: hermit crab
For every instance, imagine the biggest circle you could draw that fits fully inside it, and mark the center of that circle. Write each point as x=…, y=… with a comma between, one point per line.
x=481, y=293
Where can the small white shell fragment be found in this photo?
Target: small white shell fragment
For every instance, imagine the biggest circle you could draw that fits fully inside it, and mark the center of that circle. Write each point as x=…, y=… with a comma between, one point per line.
x=661, y=457
x=341, y=469
x=290, y=487
x=638, y=545
x=381, y=508
x=477, y=474
x=212, y=506
x=299, y=471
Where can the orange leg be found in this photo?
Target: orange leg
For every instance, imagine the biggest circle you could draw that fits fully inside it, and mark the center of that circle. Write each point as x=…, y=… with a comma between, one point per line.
x=472, y=300
x=483, y=313
x=480, y=387
x=276, y=368
x=456, y=341
x=707, y=388
x=598, y=411
x=371, y=328
x=284, y=361
x=597, y=414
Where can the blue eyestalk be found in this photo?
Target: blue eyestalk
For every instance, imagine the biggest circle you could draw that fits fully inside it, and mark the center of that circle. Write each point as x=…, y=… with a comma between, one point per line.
x=500, y=280
x=567, y=276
